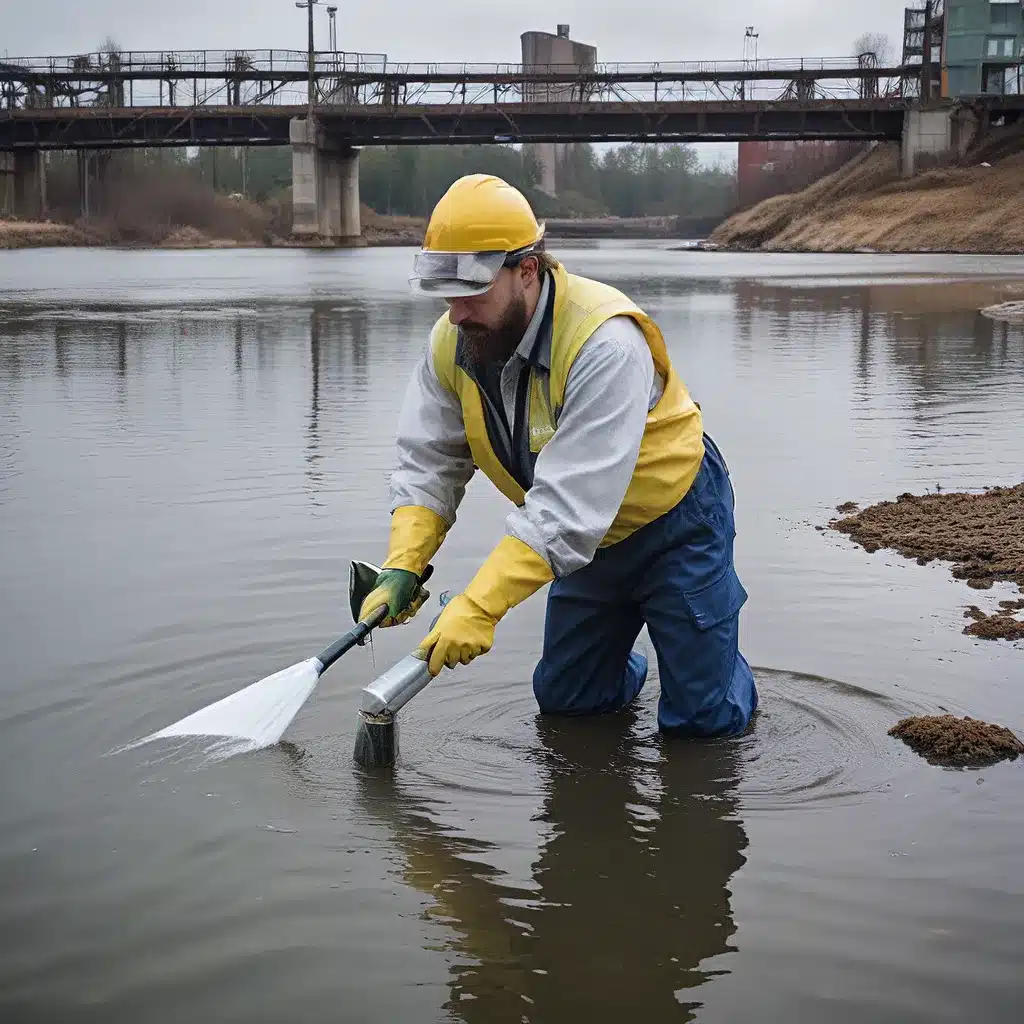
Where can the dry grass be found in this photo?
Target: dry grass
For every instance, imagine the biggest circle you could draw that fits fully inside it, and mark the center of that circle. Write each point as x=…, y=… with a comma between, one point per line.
x=25, y=234
x=379, y=229
x=867, y=205
x=167, y=209
x=155, y=205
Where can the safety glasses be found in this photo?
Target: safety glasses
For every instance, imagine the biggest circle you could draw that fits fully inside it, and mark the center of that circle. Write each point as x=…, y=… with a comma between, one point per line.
x=458, y=274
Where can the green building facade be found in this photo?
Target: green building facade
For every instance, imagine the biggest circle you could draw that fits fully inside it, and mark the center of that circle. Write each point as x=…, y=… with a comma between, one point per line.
x=983, y=47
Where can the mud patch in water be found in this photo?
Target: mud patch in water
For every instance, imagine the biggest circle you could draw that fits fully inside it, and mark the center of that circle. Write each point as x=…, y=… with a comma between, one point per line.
x=1000, y=625
x=1008, y=312
x=957, y=742
x=982, y=535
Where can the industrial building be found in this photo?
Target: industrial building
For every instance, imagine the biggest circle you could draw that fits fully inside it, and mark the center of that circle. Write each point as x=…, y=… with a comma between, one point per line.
x=543, y=51
x=970, y=47
x=770, y=167
x=982, y=47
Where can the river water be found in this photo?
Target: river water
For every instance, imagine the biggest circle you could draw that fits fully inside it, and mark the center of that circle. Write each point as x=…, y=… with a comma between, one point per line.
x=194, y=445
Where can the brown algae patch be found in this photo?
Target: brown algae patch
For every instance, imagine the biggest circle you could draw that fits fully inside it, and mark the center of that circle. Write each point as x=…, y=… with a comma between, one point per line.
x=982, y=535
x=1000, y=625
x=948, y=741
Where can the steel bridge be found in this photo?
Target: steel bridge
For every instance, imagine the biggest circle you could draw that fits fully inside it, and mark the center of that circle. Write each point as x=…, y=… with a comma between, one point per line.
x=113, y=100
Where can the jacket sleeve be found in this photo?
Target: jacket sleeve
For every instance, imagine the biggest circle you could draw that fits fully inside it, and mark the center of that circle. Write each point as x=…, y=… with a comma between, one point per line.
x=582, y=473
x=434, y=460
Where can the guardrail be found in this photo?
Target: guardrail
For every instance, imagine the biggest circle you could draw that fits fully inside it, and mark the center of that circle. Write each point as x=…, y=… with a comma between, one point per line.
x=271, y=77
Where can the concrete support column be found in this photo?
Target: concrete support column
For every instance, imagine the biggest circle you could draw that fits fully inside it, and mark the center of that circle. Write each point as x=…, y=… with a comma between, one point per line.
x=351, y=227
x=325, y=187
x=547, y=158
x=305, y=176
x=927, y=138
x=965, y=126
x=29, y=184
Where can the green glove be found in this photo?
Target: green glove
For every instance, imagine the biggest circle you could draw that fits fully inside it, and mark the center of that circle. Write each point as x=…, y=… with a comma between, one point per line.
x=400, y=590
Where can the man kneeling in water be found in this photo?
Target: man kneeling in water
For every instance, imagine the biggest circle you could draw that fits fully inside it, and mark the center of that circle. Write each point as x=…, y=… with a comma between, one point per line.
x=561, y=390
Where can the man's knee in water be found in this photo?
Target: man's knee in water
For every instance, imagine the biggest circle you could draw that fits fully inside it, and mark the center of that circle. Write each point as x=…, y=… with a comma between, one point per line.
x=557, y=693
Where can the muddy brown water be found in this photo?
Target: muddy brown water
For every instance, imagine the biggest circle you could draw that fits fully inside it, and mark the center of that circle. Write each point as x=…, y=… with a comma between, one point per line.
x=193, y=445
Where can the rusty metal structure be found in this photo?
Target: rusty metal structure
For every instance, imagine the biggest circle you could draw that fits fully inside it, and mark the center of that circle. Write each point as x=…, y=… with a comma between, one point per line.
x=113, y=100
x=268, y=77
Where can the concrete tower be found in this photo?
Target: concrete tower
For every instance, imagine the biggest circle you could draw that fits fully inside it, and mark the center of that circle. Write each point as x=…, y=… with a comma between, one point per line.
x=543, y=51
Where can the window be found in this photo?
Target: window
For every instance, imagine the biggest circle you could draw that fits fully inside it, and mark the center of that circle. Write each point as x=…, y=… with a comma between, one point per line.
x=994, y=81
x=1003, y=15
x=1000, y=46
x=1005, y=81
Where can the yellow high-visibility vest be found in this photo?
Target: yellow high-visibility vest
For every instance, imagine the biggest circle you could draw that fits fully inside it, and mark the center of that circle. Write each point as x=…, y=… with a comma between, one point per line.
x=673, y=442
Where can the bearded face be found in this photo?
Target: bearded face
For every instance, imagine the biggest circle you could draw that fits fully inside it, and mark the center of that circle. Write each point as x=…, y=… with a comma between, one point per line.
x=490, y=344
x=492, y=324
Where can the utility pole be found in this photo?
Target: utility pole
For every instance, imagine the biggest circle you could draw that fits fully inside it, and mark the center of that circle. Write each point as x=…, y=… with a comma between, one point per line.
x=926, y=55
x=750, y=45
x=308, y=4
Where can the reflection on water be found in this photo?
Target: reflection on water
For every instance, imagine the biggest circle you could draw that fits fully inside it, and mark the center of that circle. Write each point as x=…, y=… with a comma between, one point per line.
x=630, y=893
x=333, y=333
x=189, y=458
x=928, y=333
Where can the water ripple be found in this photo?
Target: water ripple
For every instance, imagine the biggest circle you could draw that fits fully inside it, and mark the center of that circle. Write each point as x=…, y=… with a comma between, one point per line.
x=481, y=748
x=816, y=740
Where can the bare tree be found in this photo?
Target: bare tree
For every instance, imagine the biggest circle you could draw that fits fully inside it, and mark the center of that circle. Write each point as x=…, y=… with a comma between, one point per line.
x=110, y=59
x=876, y=43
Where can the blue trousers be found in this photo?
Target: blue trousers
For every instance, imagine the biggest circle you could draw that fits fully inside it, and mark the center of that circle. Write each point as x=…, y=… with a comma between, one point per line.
x=675, y=574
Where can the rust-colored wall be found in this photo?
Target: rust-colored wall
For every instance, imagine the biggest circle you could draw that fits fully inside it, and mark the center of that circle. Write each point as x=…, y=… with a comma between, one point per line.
x=771, y=167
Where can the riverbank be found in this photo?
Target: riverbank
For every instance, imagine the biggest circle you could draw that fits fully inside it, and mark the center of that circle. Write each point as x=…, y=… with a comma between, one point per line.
x=21, y=234
x=377, y=230
x=669, y=227
x=866, y=206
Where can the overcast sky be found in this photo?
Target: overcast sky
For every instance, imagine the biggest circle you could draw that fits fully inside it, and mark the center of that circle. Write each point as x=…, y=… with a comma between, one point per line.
x=454, y=30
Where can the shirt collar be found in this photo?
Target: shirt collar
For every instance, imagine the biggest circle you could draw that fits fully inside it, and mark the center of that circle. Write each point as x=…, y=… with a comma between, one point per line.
x=534, y=348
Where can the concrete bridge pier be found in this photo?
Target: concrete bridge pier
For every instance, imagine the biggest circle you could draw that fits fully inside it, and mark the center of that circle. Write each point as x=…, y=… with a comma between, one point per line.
x=325, y=186
x=932, y=137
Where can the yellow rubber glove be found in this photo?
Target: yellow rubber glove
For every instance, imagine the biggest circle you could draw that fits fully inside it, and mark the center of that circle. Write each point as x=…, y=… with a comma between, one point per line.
x=416, y=534
x=465, y=629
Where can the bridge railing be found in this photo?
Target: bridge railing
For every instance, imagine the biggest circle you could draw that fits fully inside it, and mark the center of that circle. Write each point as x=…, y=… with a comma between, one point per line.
x=280, y=77
x=184, y=63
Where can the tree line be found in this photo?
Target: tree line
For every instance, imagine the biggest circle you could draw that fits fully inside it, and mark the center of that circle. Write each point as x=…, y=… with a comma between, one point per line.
x=625, y=181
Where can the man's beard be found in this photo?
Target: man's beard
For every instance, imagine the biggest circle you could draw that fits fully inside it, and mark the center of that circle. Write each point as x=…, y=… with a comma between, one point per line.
x=495, y=346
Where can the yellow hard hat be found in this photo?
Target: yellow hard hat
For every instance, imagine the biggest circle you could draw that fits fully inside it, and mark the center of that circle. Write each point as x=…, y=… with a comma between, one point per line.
x=478, y=226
